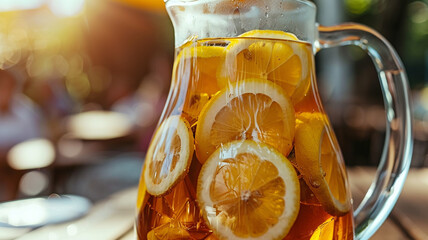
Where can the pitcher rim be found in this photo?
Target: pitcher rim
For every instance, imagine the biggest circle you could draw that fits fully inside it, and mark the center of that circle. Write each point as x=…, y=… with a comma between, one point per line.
x=305, y=2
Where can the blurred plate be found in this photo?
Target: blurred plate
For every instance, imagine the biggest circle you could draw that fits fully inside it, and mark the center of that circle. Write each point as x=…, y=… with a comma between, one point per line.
x=36, y=212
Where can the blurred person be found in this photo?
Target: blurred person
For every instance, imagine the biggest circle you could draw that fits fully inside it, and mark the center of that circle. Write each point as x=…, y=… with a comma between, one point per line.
x=54, y=102
x=20, y=120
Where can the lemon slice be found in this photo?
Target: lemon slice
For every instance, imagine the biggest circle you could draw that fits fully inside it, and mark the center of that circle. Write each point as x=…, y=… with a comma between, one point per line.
x=169, y=155
x=273, y=34
x=320, y=163
x=248, y=190
x=287, y=63
x=196, y=65
x=252, y=109
x=195, y=70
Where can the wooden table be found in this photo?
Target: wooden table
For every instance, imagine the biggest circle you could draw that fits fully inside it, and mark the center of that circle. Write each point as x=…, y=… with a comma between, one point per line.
x=409, y=218
x=113, y=218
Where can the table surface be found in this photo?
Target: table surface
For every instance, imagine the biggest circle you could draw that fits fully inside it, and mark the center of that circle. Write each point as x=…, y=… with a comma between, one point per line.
x=113, y=218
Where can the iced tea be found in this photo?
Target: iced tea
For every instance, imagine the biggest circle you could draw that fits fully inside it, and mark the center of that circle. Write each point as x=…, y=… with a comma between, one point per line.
x=244, y=149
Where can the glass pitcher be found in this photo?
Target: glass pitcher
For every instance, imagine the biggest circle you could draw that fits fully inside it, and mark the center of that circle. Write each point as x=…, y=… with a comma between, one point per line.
x=244, y=149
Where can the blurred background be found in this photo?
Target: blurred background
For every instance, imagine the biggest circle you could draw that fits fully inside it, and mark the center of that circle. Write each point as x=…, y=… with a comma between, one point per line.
x=83, y=83
x=82, y=86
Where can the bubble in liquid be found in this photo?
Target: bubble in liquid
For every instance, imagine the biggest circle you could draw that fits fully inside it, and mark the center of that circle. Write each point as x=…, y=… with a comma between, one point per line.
x=315, y=184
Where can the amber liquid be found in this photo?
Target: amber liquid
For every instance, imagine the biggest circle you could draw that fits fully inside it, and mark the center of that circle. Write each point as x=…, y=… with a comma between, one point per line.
x=177, y=212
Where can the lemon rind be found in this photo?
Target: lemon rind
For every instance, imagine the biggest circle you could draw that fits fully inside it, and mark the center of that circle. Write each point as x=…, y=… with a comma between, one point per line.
x=183, y=164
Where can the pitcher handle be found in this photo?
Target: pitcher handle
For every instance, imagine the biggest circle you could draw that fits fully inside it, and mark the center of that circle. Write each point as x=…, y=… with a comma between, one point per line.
x=397, y=151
